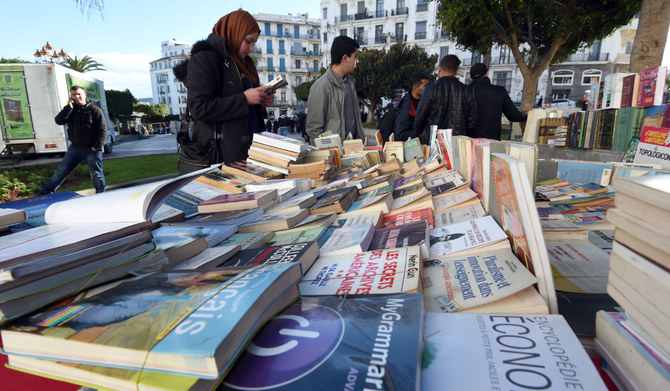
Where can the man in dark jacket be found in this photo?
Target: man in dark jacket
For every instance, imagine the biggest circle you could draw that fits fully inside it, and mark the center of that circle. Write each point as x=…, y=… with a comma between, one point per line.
x=492, y=101
x=447, y=103
x=404, y=123
x=387, y=121
x=87, y=131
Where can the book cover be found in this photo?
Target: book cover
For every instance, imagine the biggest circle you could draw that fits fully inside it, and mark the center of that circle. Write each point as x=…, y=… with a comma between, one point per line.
x=297, y=235
x=651, y=87
x=208, y=258
x=629, y=90
x=365, y=273
x=36, y=206
x=224, y=181
x=456, y=283
x=250, y=172
x=173, y=336
x=337, y=200
x=274, y=221
x=347, y=240
x=330, y=142
x=490, y=354
x=578, y=266
x=468, y=235
x=336, y=340
x=459, y=214
x=267, y=166
x=373, y=218
x=412, y=234
x=247, y=240
x=378, y=199
x=283, y=142
x=303, y=253
x=654, y=147
x=413, y=216
x=412, y=150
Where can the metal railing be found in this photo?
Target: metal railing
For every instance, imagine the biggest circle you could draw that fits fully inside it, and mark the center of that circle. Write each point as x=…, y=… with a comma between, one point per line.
x=582, y=57
x=420, y=35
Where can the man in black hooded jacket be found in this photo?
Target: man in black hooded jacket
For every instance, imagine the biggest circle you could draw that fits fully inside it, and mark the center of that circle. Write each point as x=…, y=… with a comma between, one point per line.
x=492, y=101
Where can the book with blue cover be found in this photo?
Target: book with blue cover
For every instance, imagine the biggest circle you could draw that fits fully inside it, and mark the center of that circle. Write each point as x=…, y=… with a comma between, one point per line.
x=336, y=342
x=35, y=207
x=192, y=324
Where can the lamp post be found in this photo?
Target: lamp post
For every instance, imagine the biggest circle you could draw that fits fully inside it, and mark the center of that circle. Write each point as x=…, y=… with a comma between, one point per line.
x=47, y=54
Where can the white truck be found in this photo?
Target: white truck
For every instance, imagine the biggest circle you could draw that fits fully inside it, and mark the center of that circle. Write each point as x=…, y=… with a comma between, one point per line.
x=30, y=97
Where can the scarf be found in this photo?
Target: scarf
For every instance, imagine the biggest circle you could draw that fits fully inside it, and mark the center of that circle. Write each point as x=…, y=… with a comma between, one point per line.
x=234, y=27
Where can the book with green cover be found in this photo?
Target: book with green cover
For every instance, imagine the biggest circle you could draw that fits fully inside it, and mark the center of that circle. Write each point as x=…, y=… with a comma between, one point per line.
x=192, y=324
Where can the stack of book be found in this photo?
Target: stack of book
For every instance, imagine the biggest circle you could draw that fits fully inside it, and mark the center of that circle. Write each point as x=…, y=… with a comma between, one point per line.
x=636, y=344
x=275, y=152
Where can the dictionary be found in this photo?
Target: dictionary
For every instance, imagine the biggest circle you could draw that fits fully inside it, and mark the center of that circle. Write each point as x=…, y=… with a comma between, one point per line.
x=338, y=342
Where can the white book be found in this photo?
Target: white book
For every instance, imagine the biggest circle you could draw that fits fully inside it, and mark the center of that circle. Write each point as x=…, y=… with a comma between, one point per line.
x=273, y=153
x=279, y=141
x=267, y=166
x=504, y=352
x=354, y=239
x=578, y=266
x=468, y=235
x=457, y=215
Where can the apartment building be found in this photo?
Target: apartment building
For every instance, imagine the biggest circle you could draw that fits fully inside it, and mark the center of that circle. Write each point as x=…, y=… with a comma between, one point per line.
x=165, y=88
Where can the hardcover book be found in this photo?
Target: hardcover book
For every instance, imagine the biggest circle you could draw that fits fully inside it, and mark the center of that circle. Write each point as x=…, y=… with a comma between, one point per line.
x=365, y=273
x=343, y=346
x=652, y=86
x=137, y=324
x=456, y=283
x=488, y=358
x=228, y=202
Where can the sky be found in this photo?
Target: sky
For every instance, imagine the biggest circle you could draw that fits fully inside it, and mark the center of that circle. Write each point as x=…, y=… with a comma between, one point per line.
x=127, y=36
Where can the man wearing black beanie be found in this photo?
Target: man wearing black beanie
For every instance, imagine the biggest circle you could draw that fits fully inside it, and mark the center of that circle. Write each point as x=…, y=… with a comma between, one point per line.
x=492, y=101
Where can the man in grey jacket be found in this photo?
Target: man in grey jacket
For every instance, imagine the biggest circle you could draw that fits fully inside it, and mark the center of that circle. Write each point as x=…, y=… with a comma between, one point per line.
x=332, y=103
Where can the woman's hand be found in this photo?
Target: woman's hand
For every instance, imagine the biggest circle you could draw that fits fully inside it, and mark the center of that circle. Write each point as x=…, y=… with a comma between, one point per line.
x=255, y=96
x=267, y=99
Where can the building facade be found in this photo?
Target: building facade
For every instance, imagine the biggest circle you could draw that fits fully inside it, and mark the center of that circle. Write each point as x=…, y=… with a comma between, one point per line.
x=290, y=46
x=165, y=88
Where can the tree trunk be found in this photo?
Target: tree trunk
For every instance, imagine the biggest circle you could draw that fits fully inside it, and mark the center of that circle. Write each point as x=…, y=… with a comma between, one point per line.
x=529, y=91
x=651, y=36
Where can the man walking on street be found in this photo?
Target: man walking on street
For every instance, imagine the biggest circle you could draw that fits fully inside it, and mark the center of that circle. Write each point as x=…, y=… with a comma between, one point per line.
x=87, y=131
x=332, y=101
x=447, y=103
x=404, y=123
x=492, y=101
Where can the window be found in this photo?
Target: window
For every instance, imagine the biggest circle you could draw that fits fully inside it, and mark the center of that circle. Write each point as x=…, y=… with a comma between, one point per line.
x=343, y=14
x=282, y=65
x=421, y=5
x=282, y=95
x=589, y=74
x=324, y=13
x=280, y=30
x=379, y=34
x=270, y=77
x=325, y=37
x=629, y=47
x=503, y=79
x=559, y=94
x=268, y=46
x=504, y=55
x=420, y=30
x=562, y=78
x=400, y=8
x=268, y=29
x=315, y=64
x=399, y=32
x=361, y=7
x=282, y=50
x=167, y=89
x=296, y=32
x=297, y=64
x=444, y=50
x=343, y=31
x=379, y=10
x=298, y=80
x=315, y=47
x=270, y=65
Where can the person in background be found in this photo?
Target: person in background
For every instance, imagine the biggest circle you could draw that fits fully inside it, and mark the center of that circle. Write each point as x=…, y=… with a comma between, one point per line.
x=492, y=101
x=387, y=121
x=283, y=123
x=87, y=132
x=332, y=101
x=225, y=98
x=447, y=103
x=404, y=123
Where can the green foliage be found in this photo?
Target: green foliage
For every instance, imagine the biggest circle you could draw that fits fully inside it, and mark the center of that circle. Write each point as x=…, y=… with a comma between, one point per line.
x=84, y=64
x=12, y=61
x=155, y=113
x=380, y=72
x=21, y=183
x=302, y=91
x=119, y=102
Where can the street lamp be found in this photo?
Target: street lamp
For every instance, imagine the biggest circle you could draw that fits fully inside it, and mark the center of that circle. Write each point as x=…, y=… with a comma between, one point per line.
x=48, y=54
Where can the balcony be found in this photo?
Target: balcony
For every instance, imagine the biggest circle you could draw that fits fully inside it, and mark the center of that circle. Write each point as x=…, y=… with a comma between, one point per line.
x=380, y=40
x=363, y=41
x=400, y=11
x=420, y=35
x=503, y=60
x=363, y=15
x=584, y=57
x=381, y=13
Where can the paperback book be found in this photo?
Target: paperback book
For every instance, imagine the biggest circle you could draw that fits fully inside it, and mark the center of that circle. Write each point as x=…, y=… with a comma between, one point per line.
x=452, y=240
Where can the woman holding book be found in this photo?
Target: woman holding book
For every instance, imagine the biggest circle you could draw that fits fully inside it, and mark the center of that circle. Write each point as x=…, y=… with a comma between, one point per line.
x=225, y=98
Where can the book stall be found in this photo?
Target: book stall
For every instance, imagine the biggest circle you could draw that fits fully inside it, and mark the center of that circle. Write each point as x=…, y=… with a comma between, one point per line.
x=356, y=265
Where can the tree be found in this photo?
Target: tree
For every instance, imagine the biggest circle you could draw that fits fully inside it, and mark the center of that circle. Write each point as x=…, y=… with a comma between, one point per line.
x=651, y=35
x=155, y=113
x=379, y=72
x=538, y=32
x=12, y=61
x=302, y=91
x=84, y=64
x=88, y=5
x=119, y=103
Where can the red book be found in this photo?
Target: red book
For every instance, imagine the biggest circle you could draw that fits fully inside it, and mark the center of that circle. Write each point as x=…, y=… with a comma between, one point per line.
x=652, y=86
x=629, y=90
x=409, y=217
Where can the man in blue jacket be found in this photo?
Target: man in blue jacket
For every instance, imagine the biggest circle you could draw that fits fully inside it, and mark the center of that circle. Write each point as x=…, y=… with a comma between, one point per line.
x=404, y=123
x=492, y=101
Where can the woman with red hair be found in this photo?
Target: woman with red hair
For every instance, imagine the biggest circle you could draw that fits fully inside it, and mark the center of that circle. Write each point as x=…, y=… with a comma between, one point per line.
x=225, y=99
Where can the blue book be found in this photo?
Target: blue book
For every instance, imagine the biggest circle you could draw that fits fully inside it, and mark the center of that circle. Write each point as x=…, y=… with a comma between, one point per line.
x=192, y=323
x=574, y=171
x=36, y=206
x=335, y=343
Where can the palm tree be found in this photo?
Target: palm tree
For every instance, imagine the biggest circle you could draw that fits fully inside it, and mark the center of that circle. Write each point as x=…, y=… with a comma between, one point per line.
x=84, y=64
